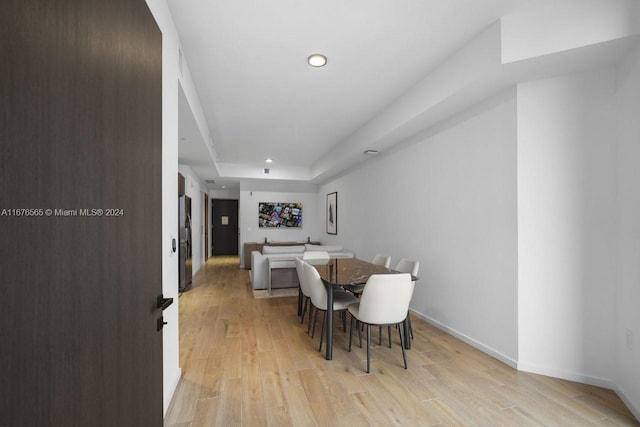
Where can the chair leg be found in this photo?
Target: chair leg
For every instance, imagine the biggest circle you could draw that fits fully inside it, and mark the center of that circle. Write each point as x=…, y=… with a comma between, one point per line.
x=310, y=316
x=389, y=332
x=304, y=309
x=368, y=347
x=359, y=326
x=410, y=327
x=350, y=332
x=324, y=322
x=343, y=314
x=404, y=356
x=380, y=335
x=315, y=320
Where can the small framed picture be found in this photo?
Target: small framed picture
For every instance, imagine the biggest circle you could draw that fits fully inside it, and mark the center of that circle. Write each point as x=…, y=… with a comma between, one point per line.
x=332, y=213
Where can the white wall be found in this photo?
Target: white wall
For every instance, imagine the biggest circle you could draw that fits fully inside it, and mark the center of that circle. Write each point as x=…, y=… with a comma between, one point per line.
x=448, y=201
x=195, y=189
x=562, y=26
x=627, y=374
x=248, y=211
x=566, y=227
x=225, y=194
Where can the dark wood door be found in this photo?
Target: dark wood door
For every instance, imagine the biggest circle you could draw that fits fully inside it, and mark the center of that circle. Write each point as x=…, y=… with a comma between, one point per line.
x=80, y=213
x=224, y=227
x=206, y=226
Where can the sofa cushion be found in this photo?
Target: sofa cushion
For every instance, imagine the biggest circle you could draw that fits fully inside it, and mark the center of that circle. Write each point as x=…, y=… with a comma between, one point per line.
x=327, y=248
x=283, y=249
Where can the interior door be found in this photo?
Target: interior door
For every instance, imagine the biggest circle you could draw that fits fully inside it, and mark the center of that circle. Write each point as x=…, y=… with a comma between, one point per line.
x=80, y=213
x=224, y=227
x=206, y=226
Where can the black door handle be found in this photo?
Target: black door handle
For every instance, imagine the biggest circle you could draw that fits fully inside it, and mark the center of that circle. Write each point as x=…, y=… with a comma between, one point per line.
x=160, y=323
x=163, y=302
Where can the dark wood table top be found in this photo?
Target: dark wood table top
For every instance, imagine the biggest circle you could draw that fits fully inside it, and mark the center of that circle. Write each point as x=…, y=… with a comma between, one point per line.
x=349, y=271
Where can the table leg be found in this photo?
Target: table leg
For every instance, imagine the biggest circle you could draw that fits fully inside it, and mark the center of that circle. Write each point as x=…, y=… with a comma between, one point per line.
x=329, y=321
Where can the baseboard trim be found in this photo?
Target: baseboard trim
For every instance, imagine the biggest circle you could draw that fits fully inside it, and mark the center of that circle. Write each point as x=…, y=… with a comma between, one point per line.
x=169, y=397
x=623, y=396
x=566, y=375
x=473, y=343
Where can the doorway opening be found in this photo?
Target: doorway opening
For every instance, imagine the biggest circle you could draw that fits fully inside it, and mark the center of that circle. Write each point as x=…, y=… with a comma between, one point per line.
x=224, y=227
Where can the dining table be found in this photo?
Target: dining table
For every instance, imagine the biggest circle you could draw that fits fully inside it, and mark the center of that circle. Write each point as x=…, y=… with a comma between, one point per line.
x=339, y=272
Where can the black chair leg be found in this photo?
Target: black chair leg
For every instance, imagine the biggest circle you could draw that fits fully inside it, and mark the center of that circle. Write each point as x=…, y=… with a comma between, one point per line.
x=315, y=320
x=410, y=327
x=359, y=326
x=404, y=356
x=368, y=347
x=380, y=335
x=324, y=322
x=389, y=332
x=350, y=332
x=312, y=311
x=304, y=309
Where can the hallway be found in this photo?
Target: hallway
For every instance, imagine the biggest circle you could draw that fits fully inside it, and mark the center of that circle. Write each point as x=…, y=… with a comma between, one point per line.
x=249, y=362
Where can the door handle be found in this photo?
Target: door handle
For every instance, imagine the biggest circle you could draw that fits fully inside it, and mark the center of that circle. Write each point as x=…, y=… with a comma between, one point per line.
x=162, y=302
x=160, y=323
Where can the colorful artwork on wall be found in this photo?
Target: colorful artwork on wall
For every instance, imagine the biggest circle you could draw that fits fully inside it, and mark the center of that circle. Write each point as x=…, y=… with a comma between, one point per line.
x=279, y=215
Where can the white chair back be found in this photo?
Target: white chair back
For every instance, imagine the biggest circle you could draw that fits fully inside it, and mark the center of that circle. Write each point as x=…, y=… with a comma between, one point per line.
x=382, y=259
x=304, y=287
x=407, y=266
x=385, y=298
x=317, y=290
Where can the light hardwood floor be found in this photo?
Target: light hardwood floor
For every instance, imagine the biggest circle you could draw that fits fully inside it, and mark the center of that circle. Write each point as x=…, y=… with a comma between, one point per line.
x=249, y=362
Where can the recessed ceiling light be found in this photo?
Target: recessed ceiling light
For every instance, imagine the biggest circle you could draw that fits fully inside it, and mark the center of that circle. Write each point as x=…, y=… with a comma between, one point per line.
x=317, y=60
x=372, y=152
x=268, y=160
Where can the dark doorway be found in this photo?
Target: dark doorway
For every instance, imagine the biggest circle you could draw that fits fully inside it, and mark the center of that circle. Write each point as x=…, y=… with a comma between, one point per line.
x=206, y=226
x=81, y=224
x=224, y=227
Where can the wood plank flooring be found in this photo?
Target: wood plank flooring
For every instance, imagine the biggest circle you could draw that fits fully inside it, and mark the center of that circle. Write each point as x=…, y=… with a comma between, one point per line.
x=249, y=362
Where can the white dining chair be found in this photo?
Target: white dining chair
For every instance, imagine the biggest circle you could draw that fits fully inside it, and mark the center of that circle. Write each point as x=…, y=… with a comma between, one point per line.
x=315, y=258
x=379, y=259
x=304, y=290
x=384, y=302
x=408, y=266
x=382, y=259
x=318, y=295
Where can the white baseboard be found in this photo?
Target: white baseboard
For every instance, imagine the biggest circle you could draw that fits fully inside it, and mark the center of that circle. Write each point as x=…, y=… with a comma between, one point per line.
x=566, y=375
x=473, y=343
x=635, y=410
x=172, y=390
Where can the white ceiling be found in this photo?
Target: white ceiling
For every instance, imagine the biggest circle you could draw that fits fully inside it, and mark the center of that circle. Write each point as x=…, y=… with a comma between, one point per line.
x=261, y=98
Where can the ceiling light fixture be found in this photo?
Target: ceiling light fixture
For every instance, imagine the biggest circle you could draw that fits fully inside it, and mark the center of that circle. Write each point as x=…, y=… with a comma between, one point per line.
x=268, y=160
x=317, y=60
x=371, y=152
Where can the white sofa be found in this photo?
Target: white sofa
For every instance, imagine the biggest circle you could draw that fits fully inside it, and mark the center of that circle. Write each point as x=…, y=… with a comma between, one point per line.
x=285, y=276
